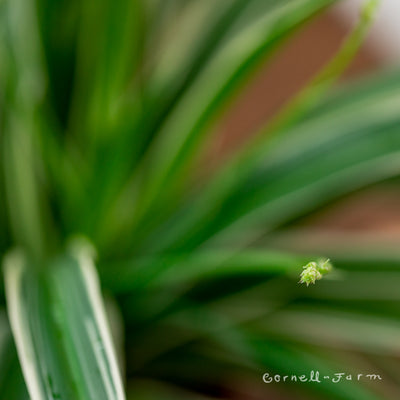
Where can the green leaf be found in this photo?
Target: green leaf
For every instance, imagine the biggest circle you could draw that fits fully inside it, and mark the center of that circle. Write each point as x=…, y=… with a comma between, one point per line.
x=12, y=385
x=60, y=329
x=224, y=73
x=154, y=390
x=336, y=328
x=330, y=153
x=192, y=268
x=167, y=161
x=104, y=67
x=243, y=164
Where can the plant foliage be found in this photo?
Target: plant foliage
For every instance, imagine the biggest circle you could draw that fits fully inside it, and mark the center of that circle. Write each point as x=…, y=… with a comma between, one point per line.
x=107, y=109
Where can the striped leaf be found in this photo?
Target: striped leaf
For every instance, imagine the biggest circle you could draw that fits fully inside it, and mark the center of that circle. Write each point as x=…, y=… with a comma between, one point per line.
x=60, y=329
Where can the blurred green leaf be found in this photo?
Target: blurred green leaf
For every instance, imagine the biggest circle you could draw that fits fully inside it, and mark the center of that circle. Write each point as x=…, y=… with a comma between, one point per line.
x=153, y=390
x=338, y=329
x=12, y=385
x=23, y=88
x=326, y=155
x=171, y=153
x=192, y=268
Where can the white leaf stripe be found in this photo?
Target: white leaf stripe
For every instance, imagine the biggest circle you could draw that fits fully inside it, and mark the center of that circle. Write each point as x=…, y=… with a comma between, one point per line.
x=14, y=265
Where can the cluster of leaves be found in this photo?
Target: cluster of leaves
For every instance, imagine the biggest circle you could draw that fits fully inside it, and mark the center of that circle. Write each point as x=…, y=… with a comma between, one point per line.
x=107, y=110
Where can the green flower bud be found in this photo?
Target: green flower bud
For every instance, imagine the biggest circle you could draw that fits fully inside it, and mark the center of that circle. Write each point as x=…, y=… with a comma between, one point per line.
x=314, y=271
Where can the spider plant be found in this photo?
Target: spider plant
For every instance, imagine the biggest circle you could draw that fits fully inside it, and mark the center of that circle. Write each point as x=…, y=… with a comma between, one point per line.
x=131, y=270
